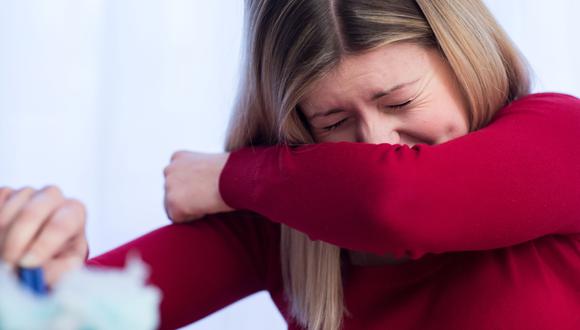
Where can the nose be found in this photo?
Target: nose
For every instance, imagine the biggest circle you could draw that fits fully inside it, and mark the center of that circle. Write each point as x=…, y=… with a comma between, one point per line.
x=377, y=132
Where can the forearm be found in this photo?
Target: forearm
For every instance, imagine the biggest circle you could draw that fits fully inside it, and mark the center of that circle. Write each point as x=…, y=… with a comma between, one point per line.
x=200, y=267
x=498, y=186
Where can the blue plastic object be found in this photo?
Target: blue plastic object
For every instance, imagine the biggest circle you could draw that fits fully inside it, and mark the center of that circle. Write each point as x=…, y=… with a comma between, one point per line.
x=33, y=279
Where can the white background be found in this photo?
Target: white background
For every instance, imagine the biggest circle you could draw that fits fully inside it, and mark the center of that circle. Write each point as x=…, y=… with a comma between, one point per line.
x=95, y=95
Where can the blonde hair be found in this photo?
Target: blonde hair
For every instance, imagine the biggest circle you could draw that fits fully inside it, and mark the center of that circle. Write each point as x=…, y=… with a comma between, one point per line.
x=291, y=44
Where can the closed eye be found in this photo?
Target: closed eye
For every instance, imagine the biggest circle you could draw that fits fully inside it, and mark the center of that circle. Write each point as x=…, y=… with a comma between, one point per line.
x=391, y=107
x=333, y=127
x=398, y=106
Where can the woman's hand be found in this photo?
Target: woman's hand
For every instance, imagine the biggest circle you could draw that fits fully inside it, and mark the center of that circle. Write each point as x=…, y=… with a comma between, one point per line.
x=42, y=228
x=192, y=185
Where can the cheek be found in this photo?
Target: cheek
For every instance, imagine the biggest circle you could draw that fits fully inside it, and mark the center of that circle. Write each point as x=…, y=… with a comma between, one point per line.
x=439, y=127
x=448, y=117
x=448, y=110
x=452, y=130
x=461, y=125
x=454, y=126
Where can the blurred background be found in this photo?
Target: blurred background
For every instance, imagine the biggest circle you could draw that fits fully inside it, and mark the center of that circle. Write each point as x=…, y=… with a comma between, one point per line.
x=95, y=95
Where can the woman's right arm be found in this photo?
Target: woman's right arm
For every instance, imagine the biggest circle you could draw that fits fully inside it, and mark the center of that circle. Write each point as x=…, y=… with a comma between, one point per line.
x=515, y=180
x=205, y=265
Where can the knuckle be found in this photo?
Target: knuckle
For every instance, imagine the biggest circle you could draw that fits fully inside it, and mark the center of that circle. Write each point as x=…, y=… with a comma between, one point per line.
x=25, y=190
x=77, y=205
x=53, y=191
x=4, y=191
x=179, y=154
x=71, y=212
x=59, y=224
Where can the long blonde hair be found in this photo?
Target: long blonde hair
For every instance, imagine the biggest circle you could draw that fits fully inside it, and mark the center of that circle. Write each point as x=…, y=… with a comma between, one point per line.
x=291, y=44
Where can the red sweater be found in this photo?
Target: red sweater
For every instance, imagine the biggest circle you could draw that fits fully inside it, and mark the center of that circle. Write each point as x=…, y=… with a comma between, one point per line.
x=491, y=221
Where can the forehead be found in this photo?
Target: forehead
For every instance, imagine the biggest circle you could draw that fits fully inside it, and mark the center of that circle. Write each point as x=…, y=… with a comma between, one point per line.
x=363, y=75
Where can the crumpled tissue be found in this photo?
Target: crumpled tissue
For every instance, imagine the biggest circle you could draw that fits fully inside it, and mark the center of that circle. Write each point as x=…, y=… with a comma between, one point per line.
x=86, y=298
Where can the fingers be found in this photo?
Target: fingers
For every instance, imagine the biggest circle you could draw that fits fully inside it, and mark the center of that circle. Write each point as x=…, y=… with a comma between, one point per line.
x=4, y=195
x=70, y=258
x=171, y=209
x=174, y=207
x=169, y=200
x=42, y=228
x=174, y=212
x=174, y=158
x=180, y=154
x=178, y=158
x=66, y=223
x=166, y=207
x=54, y=269
x=13, y=204
x=25, y=213
x=180, y=185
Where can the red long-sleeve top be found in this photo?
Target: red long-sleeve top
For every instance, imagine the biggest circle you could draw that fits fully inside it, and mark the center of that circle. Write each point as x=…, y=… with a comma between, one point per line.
x=490, y=221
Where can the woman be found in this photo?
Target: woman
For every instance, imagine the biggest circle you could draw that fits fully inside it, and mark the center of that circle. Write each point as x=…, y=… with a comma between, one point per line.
x=453, y=213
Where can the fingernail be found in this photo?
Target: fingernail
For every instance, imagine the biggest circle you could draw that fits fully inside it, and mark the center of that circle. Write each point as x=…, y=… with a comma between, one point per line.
x=29, y=260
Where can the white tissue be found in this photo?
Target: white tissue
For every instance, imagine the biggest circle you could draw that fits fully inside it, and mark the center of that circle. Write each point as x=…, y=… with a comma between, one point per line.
x=87, y=299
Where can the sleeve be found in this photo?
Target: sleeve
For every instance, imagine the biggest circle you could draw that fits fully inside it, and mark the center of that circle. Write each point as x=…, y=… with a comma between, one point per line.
x=512, y=181
x=203, y=266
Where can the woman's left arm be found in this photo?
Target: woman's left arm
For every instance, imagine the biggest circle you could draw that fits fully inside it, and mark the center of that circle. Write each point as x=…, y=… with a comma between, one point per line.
x=515, y=180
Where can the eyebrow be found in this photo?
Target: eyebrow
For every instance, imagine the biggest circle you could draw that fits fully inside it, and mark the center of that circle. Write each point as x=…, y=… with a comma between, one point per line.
x=374, y=97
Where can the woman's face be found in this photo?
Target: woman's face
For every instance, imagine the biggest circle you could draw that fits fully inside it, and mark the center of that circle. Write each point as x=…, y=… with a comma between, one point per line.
x=398, y=94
